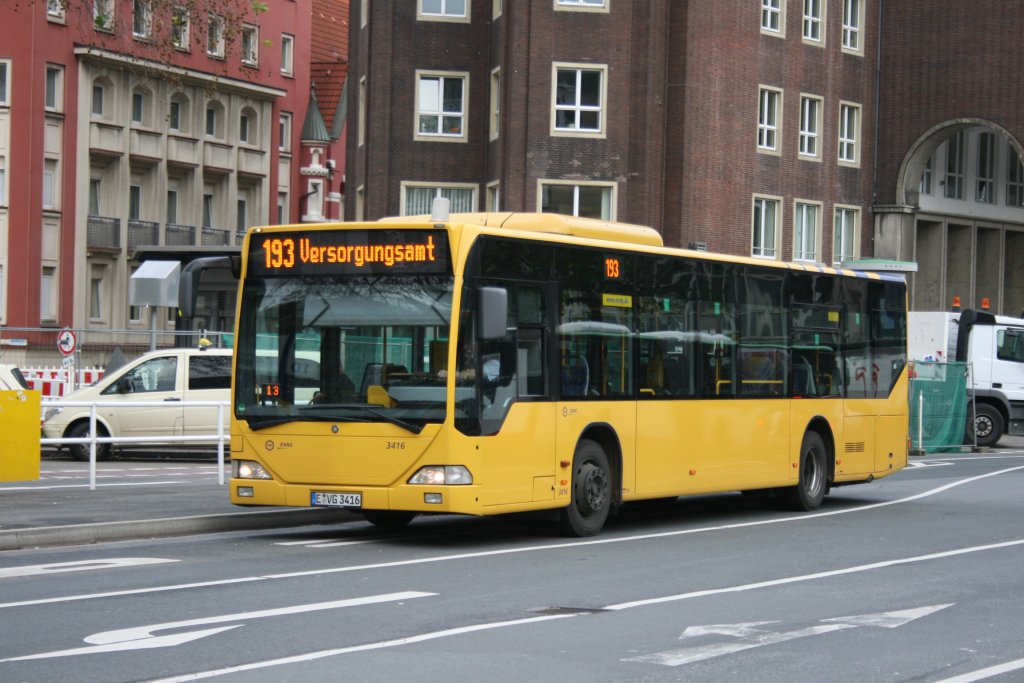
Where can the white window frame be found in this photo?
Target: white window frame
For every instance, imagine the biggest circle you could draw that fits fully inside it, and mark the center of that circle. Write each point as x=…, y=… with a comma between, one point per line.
x=3, y=180
x=809, y=144
x=51, y=185
x=849, y=134
x=287, y=54
x=364, y=12
x=495, y=109
x=853, y=27
x=438, y=188
x=181, y=29
x=813, y=22
x=577, y=107
x=284, y=131
x=845, y=219
x=444, y=14
x=769, y=120
x=103, y=15
x=985, y=182
x=609, y=200
x=142, y=19
x=55, y=11
x=492, y=201
x=956, y=152
x=250, y=54
x=1014, y=193
x=807, y=230
x=421, y=109
x=757, y=233
x=773, y=18
x=361, y=125
x=215, y=36
x=48, y=294
x=927, y=176
x=496, y=9
x=57, y=103
x=97, y=293
x=5, y=82
x=583, y=6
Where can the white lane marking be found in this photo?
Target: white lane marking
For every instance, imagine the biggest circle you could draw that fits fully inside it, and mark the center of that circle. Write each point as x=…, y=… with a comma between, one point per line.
x=80, y=566
x=142, y=638
x=509, y=551
x=99, y=482
x=747, y=636
x=988, y=672
x=321, y=654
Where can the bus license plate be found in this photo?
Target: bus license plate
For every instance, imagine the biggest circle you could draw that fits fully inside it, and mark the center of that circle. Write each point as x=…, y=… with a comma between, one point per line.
x=335, y=500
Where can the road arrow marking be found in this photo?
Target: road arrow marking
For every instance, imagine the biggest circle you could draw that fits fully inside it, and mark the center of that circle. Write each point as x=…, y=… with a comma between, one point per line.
x=749, y=635
x=141, y=637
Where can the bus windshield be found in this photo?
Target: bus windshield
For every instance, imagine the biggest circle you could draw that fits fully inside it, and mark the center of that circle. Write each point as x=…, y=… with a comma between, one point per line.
x=353, y=348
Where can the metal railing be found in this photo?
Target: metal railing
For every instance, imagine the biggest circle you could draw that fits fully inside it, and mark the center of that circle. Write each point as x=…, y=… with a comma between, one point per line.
x=93, y=438
x=103, y=232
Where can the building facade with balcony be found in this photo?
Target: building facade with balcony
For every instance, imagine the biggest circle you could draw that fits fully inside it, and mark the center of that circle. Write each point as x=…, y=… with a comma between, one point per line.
x=138, y=129
x=815, y=131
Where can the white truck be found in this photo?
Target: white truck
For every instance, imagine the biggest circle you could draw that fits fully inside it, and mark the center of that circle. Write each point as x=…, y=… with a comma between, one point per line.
x=993, y=345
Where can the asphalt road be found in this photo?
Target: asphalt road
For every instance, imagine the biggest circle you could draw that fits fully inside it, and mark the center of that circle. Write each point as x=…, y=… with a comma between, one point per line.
x=913, y=578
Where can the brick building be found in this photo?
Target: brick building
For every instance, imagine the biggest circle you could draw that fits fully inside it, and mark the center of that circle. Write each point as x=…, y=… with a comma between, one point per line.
x=133, y=130
x=743, y=127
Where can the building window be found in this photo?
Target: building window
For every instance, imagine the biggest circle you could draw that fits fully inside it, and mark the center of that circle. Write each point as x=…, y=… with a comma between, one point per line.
x=282, y=208
x=55, y=10
x=812, y=21
x=441, y=105
x=955, y=166
x=768, y=116
x=174, y=116
x=284, y=132
x=142, y=20
x=805, y=232
x=601, y=5
x=50, y=184
x=94, y=196
x=772, y=16
x=48, y=294
x=493, y=197
x=418, y=198
x=587, y=200
x=852, y=20
x=208, y=210
x=810, y=124
x=215, y=36
x=442, y=10
x=926, y=177
x=361, y=125
x=250, y=45
x=180, y=24
x=243, y=128
x=138, y=107
x=496, y=9
x=849, y=132
x=495, y=118
x=134, y=202
x=54, y=88
x=3, y=181
x=1014, y=179
x=172, y=207
x=986, y=189
x=578, y=99
x=103, y=15
x=96, y=294
x=242, y=216
x=214, y=120
x=845, y=234
x=97, y=99
x=287, y=53
x=364, y=12
x=766, y=220
x=5, y=94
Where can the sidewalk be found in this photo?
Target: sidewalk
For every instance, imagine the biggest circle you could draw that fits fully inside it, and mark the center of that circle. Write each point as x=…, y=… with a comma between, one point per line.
x=133, y=499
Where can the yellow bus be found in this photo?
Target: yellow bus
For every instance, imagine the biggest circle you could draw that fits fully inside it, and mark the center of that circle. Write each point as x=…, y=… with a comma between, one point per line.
x=486, y=364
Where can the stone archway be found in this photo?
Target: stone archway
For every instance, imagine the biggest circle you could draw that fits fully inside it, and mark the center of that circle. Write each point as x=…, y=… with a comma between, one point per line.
x=960, y=216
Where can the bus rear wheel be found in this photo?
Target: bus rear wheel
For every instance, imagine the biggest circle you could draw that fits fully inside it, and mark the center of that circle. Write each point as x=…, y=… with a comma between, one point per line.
x=591, y=497
x=389, y=519
x=810, y=489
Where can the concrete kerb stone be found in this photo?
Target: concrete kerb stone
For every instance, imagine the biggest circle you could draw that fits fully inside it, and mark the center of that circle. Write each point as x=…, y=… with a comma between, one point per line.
x=103, y=532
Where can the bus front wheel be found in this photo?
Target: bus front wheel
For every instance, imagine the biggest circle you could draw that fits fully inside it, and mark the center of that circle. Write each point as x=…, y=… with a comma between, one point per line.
x=591, y=497
x=810, y=488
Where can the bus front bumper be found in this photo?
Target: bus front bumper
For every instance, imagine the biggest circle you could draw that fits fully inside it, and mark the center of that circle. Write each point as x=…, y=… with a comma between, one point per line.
x=453, y=499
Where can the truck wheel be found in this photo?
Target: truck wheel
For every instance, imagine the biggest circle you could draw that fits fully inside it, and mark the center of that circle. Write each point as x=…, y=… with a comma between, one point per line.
x=988, y=425
x=591, y=491
x=813, y=483
x=80, y=451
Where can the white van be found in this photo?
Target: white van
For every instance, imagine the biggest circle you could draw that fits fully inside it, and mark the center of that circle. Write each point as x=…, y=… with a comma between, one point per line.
x=172, y=376
x=11, y=378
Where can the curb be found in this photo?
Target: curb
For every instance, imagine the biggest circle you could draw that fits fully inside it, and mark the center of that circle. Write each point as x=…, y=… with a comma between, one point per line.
x=103, y=532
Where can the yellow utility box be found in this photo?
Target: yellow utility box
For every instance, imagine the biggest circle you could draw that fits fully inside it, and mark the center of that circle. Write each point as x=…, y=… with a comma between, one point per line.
x=19, y=424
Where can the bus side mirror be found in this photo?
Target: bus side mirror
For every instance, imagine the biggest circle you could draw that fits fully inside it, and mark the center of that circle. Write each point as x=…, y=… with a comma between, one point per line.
x=492, y=303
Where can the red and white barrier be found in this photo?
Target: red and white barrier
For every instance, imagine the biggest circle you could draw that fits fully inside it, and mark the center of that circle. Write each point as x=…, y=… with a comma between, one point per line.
x=56, y=382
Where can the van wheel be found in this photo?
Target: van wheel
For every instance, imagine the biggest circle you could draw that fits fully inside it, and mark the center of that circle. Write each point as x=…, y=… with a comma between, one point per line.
x=591, y=498
x=80, y=451
x=988, y=425
x=813, y=483
x=389, y=519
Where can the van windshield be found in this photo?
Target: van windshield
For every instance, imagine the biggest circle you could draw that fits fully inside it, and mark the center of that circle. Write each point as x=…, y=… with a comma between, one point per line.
x=357, y=348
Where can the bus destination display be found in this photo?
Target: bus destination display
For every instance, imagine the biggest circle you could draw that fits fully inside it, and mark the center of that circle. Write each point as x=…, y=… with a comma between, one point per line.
x=331, y=252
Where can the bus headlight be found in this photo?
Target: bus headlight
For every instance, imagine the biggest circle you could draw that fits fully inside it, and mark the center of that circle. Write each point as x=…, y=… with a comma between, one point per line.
x=434, y=475
x=249, y=469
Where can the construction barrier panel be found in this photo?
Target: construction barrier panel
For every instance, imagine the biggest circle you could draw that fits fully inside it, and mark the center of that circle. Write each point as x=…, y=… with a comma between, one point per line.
x=19, y=424
x=938, y=406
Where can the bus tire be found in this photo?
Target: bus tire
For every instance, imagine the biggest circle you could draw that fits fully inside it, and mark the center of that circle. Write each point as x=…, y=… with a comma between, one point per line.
x=988, y=424
x=80, y=451
x=389, y=519
x=813, y=482
x=591, y=492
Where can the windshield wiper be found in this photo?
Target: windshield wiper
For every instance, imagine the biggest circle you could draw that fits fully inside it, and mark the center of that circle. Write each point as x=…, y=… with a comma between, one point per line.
x=407, y=426
x=257, y=423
